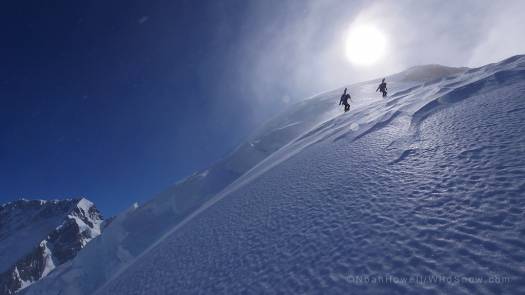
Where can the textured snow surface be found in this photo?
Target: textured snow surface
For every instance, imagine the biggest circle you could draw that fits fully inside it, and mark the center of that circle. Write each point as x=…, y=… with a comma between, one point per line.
x=430, y=183
x=426, y=186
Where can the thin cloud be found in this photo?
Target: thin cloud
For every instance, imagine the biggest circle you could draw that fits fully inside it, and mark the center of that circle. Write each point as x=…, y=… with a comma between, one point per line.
x=297, y=49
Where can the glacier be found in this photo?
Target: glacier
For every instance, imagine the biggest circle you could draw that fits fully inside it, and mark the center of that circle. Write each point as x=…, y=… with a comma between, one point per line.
x=419, y=193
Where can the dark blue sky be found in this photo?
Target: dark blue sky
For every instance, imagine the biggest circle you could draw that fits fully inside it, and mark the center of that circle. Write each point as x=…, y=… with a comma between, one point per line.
x=116, y=100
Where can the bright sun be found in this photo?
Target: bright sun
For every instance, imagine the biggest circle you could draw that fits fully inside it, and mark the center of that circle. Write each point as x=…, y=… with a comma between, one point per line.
x=365, y=45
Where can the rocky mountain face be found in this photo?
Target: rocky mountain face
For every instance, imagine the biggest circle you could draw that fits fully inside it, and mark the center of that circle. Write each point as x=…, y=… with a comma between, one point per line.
x=36, y=236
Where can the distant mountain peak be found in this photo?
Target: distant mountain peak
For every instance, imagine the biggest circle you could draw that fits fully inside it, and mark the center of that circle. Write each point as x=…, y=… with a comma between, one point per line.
x=36, y=202
x=38, y=235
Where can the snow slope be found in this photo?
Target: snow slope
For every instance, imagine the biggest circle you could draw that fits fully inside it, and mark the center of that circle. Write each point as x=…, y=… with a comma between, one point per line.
x=136, y=230
x=426, y=186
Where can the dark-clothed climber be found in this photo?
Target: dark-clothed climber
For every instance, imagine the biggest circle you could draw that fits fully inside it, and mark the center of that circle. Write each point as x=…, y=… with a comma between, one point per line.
x=382, y=88
x=345, y=98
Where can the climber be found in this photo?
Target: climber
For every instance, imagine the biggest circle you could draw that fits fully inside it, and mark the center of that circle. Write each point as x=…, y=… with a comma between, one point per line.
x=344, y=100
x=382, y=88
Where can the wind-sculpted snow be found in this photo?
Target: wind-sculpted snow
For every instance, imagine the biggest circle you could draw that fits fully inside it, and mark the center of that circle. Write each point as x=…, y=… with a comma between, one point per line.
x=419, y=193
x=429, y=190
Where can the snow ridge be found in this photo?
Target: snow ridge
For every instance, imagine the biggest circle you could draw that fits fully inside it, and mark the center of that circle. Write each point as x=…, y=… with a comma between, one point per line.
x=426, y=184
x=316, y=198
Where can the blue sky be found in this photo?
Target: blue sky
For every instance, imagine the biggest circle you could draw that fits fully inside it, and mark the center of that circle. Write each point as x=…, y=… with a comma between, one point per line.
x=117, y=100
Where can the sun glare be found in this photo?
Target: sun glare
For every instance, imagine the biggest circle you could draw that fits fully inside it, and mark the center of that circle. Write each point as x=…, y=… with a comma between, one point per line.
x=365, y=45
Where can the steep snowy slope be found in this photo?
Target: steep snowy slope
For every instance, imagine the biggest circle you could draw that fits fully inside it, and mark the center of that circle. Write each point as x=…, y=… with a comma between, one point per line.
x=135, y=230
x=427, y=184
x=38, y=235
